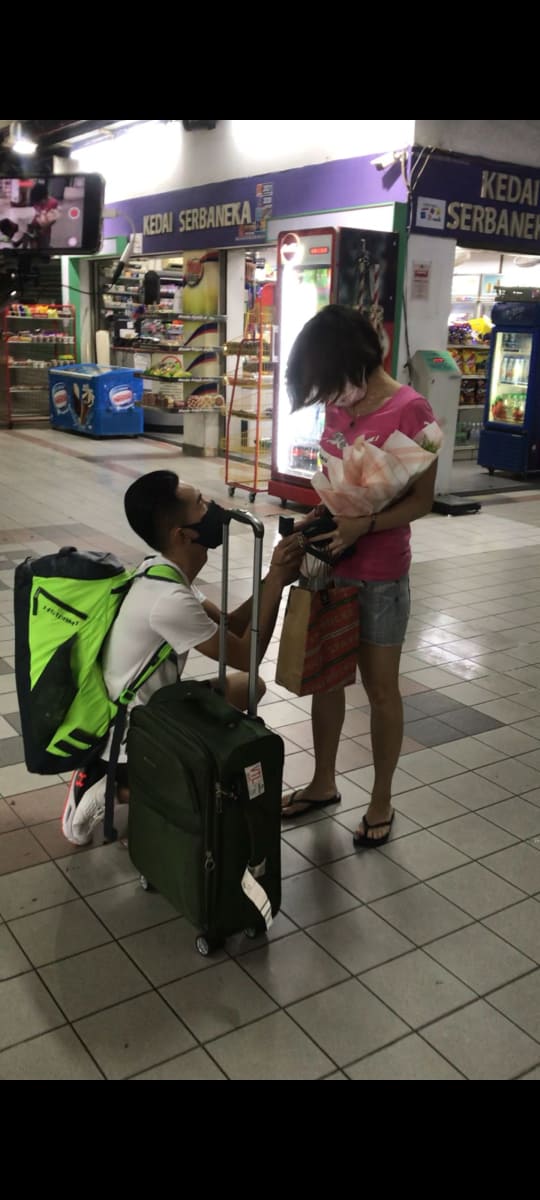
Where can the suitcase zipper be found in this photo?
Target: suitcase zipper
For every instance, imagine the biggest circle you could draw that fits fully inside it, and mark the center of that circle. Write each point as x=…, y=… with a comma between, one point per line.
x=214, y=810
x=210, y=831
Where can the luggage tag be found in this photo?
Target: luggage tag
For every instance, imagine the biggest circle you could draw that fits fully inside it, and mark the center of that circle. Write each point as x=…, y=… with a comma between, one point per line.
x=257, y=894
x=252, y=889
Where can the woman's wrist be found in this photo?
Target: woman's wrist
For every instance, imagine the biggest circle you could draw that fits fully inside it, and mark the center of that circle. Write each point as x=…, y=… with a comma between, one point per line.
x=366, y=525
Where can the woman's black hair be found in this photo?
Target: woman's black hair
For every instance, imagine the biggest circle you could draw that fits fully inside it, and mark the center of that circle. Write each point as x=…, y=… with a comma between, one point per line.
x=39, y=193
x=336, y=347
x=153, y=508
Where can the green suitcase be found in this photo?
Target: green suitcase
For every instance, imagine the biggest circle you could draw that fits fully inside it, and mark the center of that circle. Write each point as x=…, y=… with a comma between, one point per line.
x=205, y=797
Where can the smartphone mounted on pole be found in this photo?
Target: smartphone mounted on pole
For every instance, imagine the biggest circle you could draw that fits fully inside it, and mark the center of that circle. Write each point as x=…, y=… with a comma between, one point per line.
x=46, y=215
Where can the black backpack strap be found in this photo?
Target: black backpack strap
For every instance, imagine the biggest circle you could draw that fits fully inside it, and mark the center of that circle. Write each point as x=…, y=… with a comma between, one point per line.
x=169, y=574
x=109, y=832
x=119, y=726
x=164, y=572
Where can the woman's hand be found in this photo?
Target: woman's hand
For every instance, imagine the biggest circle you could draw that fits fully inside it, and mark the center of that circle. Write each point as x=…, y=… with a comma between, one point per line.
x=309, y=518
x=349, y=530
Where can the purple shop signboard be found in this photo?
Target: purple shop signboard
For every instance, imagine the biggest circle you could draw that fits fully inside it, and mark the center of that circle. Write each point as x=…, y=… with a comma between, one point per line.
x=236, y=212
x=482, y=204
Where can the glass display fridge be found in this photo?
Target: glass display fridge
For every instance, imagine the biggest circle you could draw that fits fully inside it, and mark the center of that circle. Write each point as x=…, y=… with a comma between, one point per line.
x=510, y=438
x=317, y=267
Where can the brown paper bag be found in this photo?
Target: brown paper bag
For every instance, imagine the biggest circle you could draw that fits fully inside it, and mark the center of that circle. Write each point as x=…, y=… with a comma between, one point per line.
x=319, y=643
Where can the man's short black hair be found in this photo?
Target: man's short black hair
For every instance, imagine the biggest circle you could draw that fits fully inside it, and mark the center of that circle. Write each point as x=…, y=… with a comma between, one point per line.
x=153, y=508
x=334, y=348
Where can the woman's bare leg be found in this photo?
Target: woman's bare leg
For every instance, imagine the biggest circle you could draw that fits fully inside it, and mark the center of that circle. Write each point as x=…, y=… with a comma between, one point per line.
x=379, y=668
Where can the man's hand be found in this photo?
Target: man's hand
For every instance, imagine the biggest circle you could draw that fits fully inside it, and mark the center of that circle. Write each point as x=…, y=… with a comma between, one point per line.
x=284, y=569
x=286, y=559
x=349, y=530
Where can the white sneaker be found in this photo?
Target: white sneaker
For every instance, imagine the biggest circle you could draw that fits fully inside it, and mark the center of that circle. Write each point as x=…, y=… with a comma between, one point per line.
x=85, y=797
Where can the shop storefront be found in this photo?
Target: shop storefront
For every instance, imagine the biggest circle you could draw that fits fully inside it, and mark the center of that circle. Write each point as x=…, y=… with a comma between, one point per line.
x=201, y=258
x=486, y=219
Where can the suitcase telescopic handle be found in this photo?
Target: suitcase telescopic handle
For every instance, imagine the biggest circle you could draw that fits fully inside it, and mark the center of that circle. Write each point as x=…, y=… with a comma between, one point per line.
x=245, y=518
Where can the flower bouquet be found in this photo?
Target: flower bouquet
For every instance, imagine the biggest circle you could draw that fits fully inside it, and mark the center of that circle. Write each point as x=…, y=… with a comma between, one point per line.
x=369, y=478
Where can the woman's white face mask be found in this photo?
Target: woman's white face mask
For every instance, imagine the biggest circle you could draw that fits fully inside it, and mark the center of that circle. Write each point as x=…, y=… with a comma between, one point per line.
x=352, y=394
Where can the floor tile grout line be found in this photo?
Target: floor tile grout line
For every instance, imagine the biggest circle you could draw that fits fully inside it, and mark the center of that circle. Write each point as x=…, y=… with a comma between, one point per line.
x=455, y=903
x=516, y=841
x=35, y=911
x=174, y=1057
x=71, y=900
x=313, y=1039
x=478, y=997
x=280, y=1008
x=496, y=911
x=480, y=859
x=66, y=1024
x=482, y=921
x=373, y=1053
x=471, y=920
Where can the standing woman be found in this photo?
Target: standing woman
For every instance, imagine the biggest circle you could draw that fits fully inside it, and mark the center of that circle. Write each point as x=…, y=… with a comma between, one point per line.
x=337, y=360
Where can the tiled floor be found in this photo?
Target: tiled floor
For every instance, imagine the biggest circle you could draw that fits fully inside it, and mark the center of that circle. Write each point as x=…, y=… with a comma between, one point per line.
x=420, y=961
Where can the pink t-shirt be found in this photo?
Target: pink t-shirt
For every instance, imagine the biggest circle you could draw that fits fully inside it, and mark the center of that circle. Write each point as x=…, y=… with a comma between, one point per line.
x=385, y=555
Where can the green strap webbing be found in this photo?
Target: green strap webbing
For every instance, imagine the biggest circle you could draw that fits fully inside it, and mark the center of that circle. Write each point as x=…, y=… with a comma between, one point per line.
x=129, y=693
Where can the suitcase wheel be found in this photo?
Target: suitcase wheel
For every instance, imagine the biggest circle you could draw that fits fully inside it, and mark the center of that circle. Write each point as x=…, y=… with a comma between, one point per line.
x=146, y=886
x=255, y=931
x=206, y=945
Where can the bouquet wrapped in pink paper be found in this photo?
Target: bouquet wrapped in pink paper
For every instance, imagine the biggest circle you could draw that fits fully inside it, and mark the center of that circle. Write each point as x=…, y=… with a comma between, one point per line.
x=368, y=478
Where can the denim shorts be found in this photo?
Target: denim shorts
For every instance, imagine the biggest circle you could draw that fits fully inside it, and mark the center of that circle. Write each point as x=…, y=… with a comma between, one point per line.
x=385, y=606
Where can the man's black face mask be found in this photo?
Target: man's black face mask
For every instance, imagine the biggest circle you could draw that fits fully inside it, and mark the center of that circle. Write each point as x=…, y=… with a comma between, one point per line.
x=210, y=528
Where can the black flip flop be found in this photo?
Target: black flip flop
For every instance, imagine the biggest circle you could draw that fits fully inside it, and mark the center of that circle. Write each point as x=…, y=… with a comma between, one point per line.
x=362, y=840
x=285, y=815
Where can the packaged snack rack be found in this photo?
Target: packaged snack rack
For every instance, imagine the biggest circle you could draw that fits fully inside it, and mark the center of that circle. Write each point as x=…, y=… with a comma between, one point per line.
x=33, y=338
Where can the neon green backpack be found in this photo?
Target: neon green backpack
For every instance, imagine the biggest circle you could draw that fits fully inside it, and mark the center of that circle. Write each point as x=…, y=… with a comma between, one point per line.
x=65, y=605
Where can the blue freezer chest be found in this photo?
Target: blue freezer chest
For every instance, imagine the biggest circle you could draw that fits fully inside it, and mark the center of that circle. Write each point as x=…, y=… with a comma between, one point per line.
x=97, y=401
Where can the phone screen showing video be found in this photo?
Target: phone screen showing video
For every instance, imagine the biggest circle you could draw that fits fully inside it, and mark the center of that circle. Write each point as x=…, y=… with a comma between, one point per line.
x=42, y=214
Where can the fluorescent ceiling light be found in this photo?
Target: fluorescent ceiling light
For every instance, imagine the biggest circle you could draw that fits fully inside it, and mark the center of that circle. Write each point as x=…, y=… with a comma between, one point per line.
x=21, y=142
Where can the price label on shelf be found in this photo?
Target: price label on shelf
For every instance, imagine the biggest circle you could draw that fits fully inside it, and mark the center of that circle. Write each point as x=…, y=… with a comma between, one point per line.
x=142, y=362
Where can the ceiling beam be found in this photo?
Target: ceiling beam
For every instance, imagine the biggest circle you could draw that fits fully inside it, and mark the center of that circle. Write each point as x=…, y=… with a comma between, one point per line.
x=70, y=129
